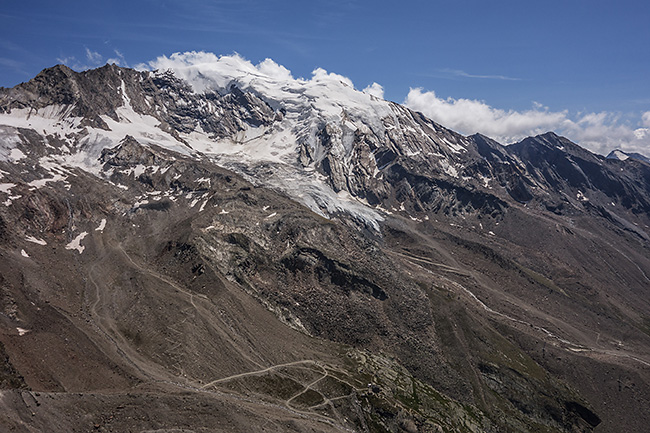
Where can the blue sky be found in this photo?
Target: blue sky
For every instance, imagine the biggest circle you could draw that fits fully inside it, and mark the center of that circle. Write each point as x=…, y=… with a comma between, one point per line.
x=581, y=68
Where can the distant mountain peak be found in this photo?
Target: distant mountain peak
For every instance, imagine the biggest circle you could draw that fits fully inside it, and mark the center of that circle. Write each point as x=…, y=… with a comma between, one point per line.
x=623, y=156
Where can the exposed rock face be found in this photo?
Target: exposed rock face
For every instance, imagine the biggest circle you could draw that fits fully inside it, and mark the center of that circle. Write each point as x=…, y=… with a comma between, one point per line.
x=231, y=260
x=560, y=166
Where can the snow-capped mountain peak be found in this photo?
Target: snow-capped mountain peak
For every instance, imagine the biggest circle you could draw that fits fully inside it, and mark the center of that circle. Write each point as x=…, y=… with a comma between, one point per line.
x=618, y=154
x=335, y=139
x=624, y=156
x=327, y=94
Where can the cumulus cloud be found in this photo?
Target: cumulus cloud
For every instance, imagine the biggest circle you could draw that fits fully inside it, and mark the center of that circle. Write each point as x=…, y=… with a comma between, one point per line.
x=375, y=90
x=194, y=66
x=142, y=67
x=604, y=132
x=645, y=118
x=320, y=74
x=72, y=62
x=269, y=68
x=470, y=116
x=599, y=132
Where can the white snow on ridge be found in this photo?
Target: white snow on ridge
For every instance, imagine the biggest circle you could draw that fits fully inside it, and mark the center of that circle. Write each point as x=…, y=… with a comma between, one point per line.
x=310, y=189
x=277, y=144
x=454, y=147
x=144, y=128
x=328, y=95
x=617, y=154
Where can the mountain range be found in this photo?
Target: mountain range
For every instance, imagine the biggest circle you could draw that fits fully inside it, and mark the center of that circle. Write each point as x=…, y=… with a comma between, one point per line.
x=231, y=249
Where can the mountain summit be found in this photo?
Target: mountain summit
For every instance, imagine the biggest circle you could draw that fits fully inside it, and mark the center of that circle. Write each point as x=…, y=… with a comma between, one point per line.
x=227, y=248
x=619, y=154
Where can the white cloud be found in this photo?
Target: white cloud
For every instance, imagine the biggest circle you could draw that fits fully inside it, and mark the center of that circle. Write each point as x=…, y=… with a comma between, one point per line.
x=375, y=90
x=94, y=57
x=460, y=73
x=320, y=74
x=598, y=132
x=470, y=116
x=645, y=119
x=118, y=60
x=68, y=61
x=602, y=133
x=642, y=133
x=269, y=68
x=205, y=70
x=73, y=63
x=142, y=67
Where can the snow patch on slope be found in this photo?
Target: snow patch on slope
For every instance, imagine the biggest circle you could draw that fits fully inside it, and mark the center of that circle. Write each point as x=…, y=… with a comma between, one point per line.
x=102, y=226
x=54, y=120
x=76, y=243
x=6, y=187
x=35, y=240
